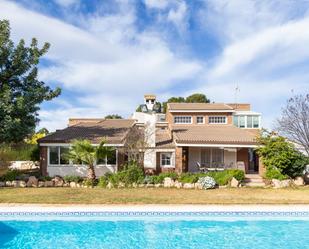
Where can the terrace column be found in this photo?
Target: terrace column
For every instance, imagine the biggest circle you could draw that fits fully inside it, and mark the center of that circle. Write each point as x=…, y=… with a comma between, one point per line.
x=43, y=160
x=178, y=160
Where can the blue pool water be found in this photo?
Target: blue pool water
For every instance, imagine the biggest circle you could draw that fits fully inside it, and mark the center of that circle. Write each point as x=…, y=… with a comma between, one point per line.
x=154, y=233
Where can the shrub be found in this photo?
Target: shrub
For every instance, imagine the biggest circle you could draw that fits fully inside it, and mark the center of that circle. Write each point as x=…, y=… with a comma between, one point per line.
x=207, y=182
x=273, y=173
x=19, y=152
x=131, y=174
x=89, y=183
x=75, y=179
x=238, y=174
x=11, y=175
x=188, y=178
x=103, y=181
x=277, y=153
x=148, y=180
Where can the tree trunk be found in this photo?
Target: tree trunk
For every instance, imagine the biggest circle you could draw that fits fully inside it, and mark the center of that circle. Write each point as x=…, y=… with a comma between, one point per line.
x=91, y=172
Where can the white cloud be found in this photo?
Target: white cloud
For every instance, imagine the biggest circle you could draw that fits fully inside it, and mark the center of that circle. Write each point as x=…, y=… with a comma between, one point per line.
x=67, y=3
x=156, y=4
x=178, y=16
x=109, y=63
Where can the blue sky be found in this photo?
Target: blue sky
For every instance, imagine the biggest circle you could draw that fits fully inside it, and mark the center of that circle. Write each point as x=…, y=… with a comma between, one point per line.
x=106, y=54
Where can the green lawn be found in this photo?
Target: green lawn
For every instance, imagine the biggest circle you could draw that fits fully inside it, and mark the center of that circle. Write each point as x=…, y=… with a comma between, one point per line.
x=154, y=196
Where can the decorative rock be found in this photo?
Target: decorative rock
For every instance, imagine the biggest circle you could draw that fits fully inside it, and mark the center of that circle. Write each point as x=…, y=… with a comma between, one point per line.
x=8, y=184
x=188, y=185
x=280, y=184
x=134, y=185
x=158, y=185
x=141, y=185
x=22, y=184
x=149, y=185
x=109, y=185
x=234, y=183
x=197, y=185
x=121, y=185
x=78, y=185
x=2, y=184
x=32, y=182
x=73, y=184
x=168, y=182
x=66, y=184
x=15, y=184
x=48, y=184
x=58, y=181
x=41, y=184
x=178, y=184
x=299, y=181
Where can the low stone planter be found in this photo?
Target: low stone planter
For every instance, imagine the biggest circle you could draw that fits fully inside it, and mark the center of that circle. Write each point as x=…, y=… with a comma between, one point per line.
x=32, y=182
x=188, y=186
x=41, y=184
x=178, y=184
x=299, y=181
x=48, y=184
x=168, y=182
x=158, y=185
x=281, y=184
x=58, y=181
x=8, y=184
x=234, y=183
x=19, y=184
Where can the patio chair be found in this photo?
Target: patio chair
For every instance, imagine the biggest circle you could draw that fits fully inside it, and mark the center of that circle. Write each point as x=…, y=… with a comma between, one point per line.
x=200, y=167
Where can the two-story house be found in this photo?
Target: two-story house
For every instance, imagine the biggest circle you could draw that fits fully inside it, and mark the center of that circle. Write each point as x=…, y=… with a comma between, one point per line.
x=187, y=138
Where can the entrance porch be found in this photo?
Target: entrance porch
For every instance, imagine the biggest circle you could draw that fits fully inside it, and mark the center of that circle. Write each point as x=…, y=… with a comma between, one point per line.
x=197, y=158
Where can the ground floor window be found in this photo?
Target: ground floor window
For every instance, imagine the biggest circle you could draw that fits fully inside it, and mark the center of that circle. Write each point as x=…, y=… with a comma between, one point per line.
x=212, y=157
x=166, y=159
x=57, y=155
x=108, y=160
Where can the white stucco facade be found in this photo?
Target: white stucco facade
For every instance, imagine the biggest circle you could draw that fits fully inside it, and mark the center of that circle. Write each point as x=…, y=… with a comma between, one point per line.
x=78, y=170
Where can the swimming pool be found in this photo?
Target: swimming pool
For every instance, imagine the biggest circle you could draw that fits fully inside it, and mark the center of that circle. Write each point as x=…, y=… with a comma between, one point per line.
x=154, y=230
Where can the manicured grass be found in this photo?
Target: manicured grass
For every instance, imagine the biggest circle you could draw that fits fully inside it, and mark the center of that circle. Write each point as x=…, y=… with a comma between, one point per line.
x=154, y=196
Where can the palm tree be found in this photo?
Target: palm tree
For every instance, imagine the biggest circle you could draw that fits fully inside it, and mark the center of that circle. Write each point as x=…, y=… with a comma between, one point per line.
x=82, y=151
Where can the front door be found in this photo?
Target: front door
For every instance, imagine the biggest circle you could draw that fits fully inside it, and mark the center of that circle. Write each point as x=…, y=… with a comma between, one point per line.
x=253, y=161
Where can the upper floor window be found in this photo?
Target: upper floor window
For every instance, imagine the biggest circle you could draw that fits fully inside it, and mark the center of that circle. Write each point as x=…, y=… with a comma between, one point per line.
x=247, y=121
x=200, y=120
x=217, y=120
x=183, y=120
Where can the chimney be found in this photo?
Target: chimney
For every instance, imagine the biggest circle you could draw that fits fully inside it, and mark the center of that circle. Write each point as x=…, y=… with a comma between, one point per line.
x=150, y=101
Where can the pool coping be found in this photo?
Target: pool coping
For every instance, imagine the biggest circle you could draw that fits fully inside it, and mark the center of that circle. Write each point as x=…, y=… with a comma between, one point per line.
x=14, y=207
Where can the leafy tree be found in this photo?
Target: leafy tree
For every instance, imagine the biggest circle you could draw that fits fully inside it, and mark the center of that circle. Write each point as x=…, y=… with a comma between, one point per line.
x=194, y=98
x=21, y=92
x=113, y=116
x=279, y=156
x=294, y=121
x=82, y=151
x=36, y=136
x=197, y=98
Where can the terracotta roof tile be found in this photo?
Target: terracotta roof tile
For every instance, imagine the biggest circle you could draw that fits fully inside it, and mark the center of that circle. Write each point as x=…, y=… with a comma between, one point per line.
x=209, y=134
x=164, y=139
x=114, y=130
